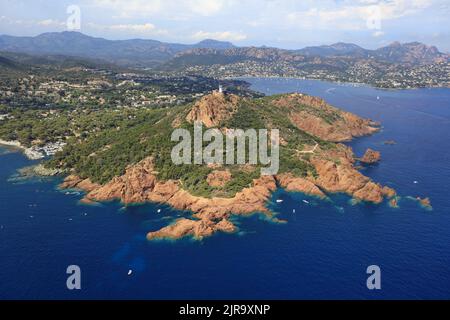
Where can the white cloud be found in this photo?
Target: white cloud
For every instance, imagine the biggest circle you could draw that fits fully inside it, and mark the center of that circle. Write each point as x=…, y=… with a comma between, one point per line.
x=131, y=8
x=355, y=15
x=224, y=36
x=33, y=23
x=166, y=8
x=50, y=23
x=205, y=7
x=377, y=34
x=141, y=29
x=134, y=27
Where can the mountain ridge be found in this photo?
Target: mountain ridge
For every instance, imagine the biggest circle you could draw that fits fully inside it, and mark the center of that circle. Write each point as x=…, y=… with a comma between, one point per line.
x=126, y=52
x=147, y=52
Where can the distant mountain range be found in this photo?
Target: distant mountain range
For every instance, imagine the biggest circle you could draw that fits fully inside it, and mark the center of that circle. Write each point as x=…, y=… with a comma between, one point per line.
x=136, y=52
x=336, y=49
x=409, y=53
x=413, y=52
x=149, y=53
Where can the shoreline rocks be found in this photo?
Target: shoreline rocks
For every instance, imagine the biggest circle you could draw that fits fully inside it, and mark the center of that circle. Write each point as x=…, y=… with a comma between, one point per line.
x=425, y=203
x=296, y=184
x=371, y=157
x=39, y=170
x=198, y=229
x=336, y=174
x=75, y=182
x=139, y=184
x=393, y=203
x=341, y=128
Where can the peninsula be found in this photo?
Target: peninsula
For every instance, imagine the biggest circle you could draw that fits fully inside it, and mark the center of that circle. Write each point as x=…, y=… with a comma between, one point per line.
x=213, y=193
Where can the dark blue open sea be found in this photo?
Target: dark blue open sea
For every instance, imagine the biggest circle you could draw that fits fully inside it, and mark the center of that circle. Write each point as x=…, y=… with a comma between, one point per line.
x=322, y=252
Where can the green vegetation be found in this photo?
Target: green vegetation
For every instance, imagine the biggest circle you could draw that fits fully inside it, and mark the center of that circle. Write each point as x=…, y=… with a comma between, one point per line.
x=241, y=178
x=103, y=149
x=107, y=152
x=110, y=118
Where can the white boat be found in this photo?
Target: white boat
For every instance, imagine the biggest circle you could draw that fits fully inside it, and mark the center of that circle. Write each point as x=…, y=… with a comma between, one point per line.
x=416, y=182
x=130, y=272
x=305, y=201
x=279, y=201
x=159, y=210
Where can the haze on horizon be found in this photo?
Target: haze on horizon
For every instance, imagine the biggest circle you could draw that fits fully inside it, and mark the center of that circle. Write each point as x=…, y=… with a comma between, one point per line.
x=290, y=24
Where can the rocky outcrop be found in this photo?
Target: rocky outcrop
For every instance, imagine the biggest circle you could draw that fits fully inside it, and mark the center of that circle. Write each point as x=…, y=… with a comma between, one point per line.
x=297, y=184
x=139, y=184
x=425, y=202
x=359, y=127
x=336, y=173
x=314, y=116
x=132, y=187
x=371, y=157
x=213, y=214
x=196, y=228
x=389, y=192
x=370, y=192
x=393, y=203
x=75, y=182
x=218, y=178
x=213, y=109
x=39, y=170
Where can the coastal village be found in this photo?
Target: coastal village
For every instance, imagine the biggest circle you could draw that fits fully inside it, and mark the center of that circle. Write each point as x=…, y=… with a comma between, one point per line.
x=431, y=75
x=36, y=152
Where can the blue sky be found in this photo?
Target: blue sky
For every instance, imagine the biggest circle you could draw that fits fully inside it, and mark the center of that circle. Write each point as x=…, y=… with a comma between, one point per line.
x=281, y=23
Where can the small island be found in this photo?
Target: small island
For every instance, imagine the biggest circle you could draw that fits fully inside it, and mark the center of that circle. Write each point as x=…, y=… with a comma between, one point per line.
x=371, y=157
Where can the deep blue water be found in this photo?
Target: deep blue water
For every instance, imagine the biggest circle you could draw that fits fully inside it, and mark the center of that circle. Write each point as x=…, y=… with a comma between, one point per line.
x=322, y=252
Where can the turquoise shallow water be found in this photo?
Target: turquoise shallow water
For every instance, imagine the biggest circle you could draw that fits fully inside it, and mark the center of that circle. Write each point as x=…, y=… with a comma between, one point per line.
x=322, y=252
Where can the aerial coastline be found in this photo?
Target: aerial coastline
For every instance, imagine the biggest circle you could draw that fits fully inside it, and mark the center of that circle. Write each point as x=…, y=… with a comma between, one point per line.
x=333, y=164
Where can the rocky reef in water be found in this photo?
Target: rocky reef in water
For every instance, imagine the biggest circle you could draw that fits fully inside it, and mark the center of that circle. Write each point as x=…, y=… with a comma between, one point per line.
x=371, y=157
